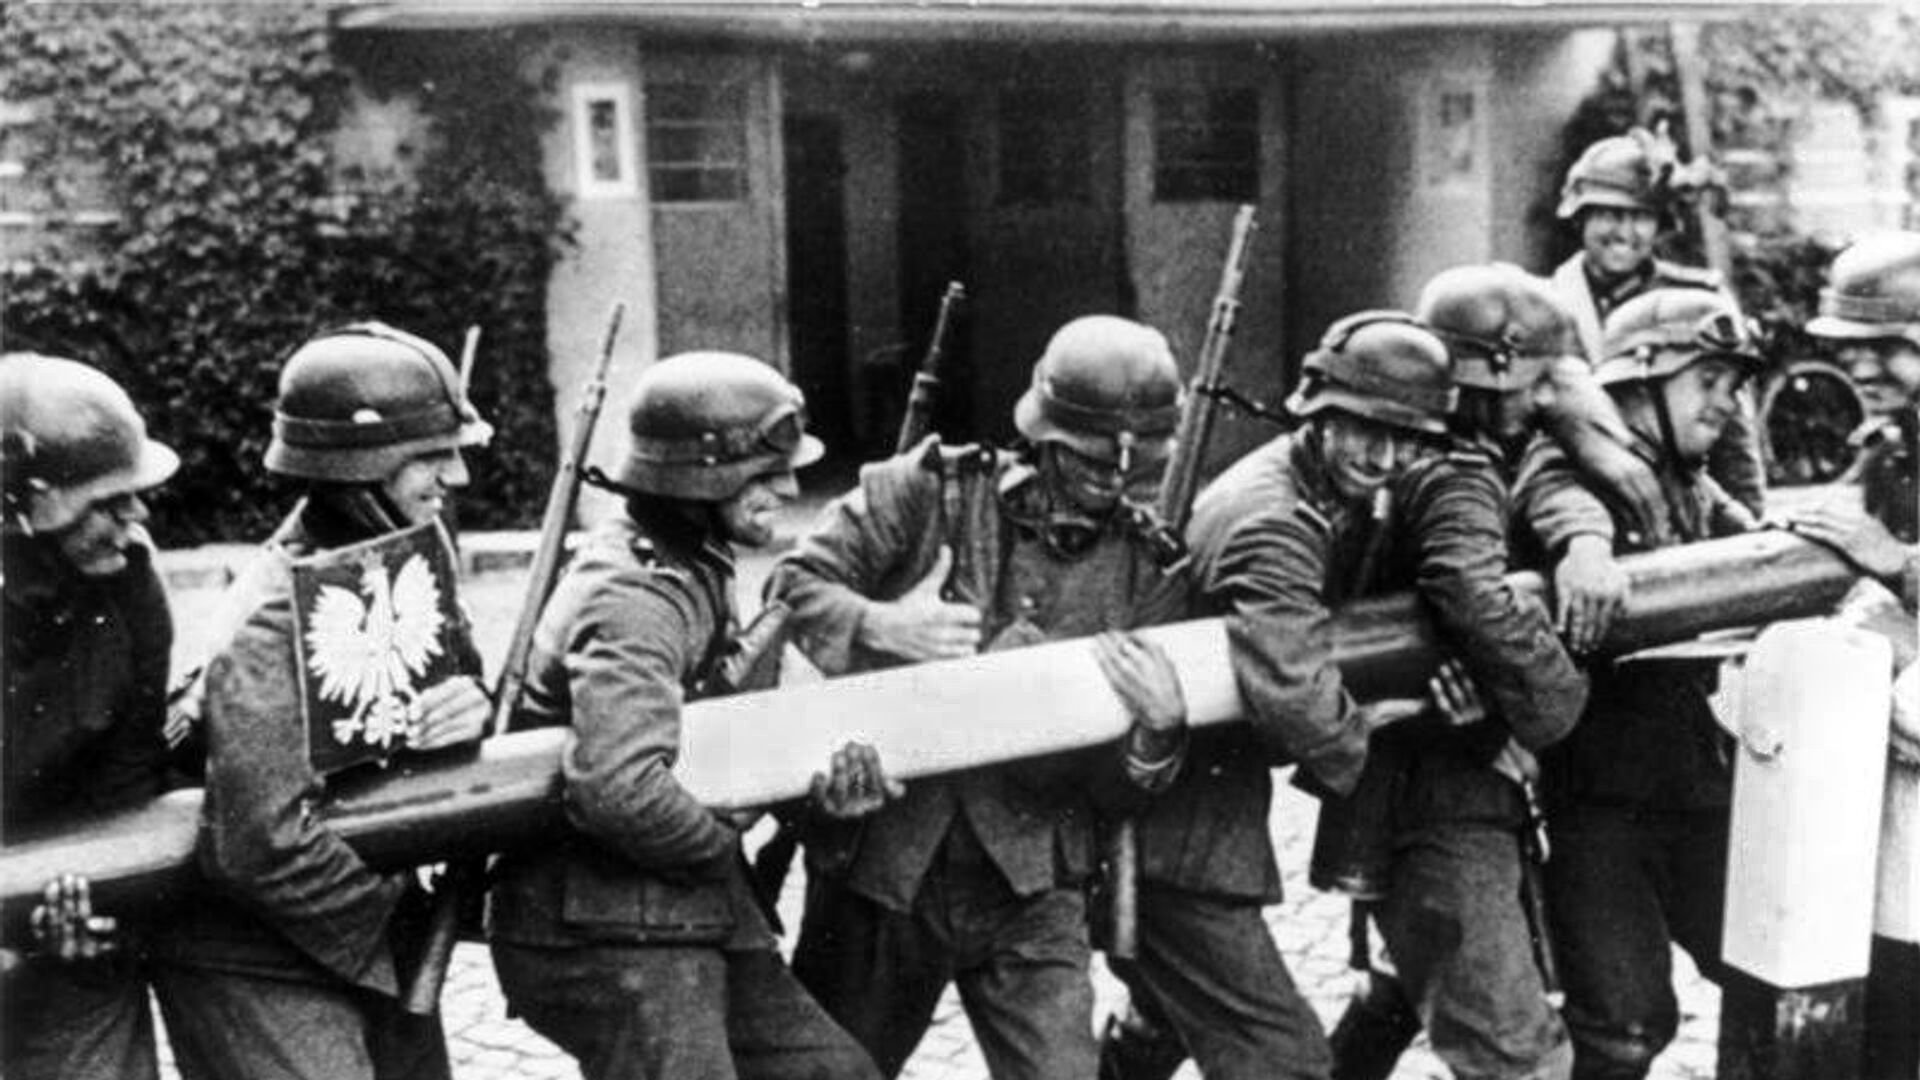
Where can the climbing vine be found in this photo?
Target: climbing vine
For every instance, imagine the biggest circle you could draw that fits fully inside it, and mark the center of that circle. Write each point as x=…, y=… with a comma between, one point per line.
x=209, y=129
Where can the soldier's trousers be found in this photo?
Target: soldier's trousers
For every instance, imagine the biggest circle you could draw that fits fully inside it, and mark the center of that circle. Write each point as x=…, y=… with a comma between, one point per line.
x=1020, y=964
x=1207, y=968
x=627, y=1012
x=1457, y=933
x=1623, y=887
x=225, y=1025
x=79, y=1021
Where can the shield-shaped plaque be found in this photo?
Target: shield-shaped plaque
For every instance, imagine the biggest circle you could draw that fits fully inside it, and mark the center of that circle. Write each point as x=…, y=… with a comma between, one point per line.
x=375, y=624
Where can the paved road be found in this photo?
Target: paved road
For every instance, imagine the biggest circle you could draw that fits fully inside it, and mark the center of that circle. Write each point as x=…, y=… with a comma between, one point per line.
x=1310, y=927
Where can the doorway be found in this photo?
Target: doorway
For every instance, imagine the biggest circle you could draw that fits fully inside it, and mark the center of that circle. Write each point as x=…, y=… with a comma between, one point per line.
x=817, y=278
x=933, y=251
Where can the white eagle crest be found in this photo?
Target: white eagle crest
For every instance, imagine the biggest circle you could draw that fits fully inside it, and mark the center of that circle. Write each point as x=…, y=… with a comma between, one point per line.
x=367, y=653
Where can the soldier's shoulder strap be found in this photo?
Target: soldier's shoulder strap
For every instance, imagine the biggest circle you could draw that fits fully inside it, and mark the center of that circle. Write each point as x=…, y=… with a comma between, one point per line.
x=646, y=552
x=1696, y=277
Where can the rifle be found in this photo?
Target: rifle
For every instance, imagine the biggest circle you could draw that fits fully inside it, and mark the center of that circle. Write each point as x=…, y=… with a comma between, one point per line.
x=464, y=880
x=918, y=420
x=469, y=348
x=1173, y=508
x=748, y=667
x=1165, y=530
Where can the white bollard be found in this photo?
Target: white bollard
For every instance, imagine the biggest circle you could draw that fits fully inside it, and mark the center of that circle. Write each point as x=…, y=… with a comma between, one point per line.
x=1807, y=804
x=1897, y=898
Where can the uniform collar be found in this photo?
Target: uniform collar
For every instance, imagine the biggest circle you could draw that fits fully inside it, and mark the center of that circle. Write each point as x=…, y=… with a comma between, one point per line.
x=1315, y=482
x=1025, y=501
x=679, y=535
x=35, y=574
x=1611, y=292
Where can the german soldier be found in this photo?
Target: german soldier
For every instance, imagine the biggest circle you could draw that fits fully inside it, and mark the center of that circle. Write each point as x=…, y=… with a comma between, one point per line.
x=1870, y=313
x=1208, y=972
x=1638, y=795
x=1616, y=196
x=292, y=967
x=635, y=941
x=88, y=638
x=1363, y=498
x=941, y=552
x=1463, y=839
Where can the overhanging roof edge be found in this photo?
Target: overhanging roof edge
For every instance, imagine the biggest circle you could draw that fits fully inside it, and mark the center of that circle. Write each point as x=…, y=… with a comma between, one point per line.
x=847, y=19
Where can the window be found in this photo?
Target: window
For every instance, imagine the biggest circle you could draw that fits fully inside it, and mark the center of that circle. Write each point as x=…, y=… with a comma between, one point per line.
x=1044, y=148
x=1206, y=145
x=1454, y=136
x=697, y=141
x=604, y=156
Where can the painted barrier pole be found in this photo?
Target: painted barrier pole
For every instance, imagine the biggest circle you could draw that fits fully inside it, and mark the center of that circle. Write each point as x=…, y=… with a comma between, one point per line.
x=753, y=749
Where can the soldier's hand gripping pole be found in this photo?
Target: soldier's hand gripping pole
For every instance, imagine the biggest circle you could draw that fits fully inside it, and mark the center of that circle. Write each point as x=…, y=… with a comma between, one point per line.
x=1166, y=531
x=917, y=421
x=463, y=882
x=752, y=667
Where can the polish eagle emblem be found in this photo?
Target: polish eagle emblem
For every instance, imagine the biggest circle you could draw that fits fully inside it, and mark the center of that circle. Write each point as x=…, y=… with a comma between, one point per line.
x=375, y=625
x=370, y=645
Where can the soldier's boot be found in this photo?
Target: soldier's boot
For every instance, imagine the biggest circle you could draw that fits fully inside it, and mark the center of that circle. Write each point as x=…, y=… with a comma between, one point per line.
x=1134, y=1048
x=1376, y=1029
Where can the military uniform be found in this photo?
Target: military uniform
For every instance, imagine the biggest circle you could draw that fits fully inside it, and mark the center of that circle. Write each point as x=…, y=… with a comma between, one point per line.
x=1451, y=918
x=1261, y=537
x=292, y=966
x=1455, y=823
x=86, y=678
x=1735, y=462
x=634, y=941
x=974, y=878
x=1637, y=796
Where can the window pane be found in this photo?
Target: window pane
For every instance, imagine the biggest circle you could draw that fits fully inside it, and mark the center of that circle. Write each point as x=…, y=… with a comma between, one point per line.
x=603, y=139
x=1206, y=145
x=697, y=141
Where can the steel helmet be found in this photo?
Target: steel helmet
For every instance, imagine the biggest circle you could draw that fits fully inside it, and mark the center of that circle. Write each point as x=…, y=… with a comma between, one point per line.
x=1617, y=171
x=358, y=402
x=1382, y=365
x=69, y=436
x=1874, y=291
x=1661, y=332
x=1502, y=325
x=703, y=424
x=1104, y=386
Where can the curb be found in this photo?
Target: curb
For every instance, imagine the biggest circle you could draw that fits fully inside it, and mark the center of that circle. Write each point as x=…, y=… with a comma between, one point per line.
x=481, y=554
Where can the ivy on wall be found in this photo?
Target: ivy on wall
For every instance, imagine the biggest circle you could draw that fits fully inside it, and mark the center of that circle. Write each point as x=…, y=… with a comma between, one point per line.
x=237, y=238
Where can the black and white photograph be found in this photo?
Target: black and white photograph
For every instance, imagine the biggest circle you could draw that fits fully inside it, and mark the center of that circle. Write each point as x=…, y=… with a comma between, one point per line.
x=959, y=540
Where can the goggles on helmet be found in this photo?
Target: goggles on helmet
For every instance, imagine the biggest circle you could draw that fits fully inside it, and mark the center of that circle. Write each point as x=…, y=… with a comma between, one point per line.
x=1721, y=333
x=779, y=435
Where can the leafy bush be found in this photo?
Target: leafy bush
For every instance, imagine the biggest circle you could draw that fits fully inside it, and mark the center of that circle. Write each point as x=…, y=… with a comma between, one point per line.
x=236, y=239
